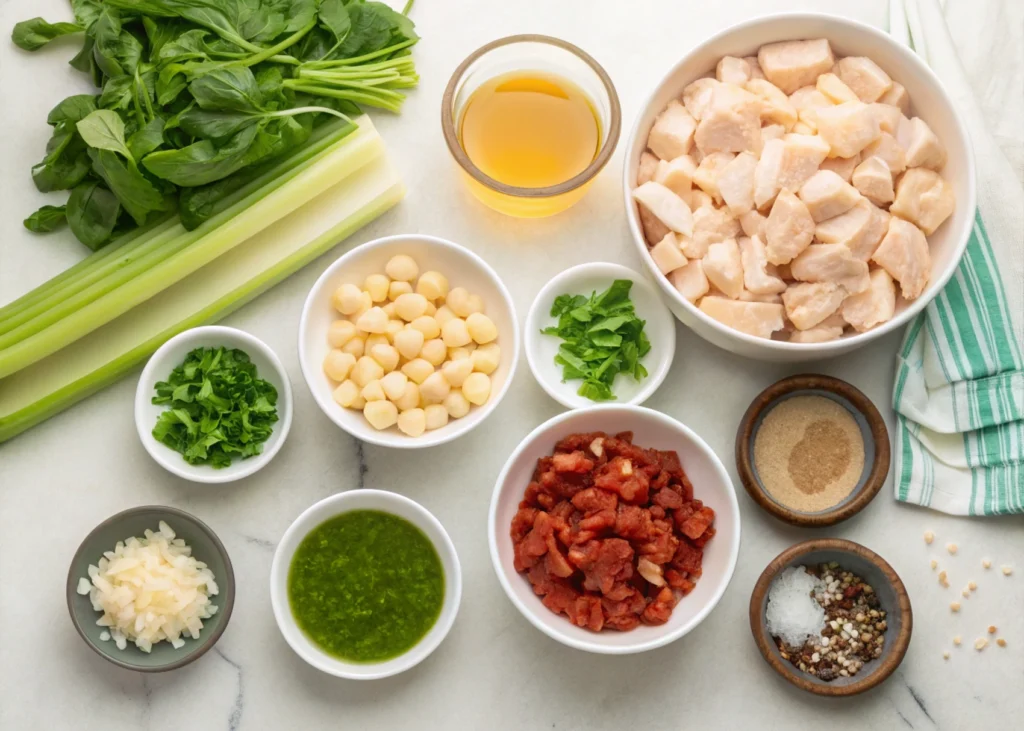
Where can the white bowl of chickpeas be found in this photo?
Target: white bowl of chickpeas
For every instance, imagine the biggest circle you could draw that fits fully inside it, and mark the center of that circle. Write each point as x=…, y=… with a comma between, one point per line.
x=408, y=341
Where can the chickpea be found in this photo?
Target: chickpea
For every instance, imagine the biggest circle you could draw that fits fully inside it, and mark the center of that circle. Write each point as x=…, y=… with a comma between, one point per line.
x=340, y=332
x=337, y=365
x=394, y=384
x=435, y=388
x=457, y=371
x=373, y=391
x=410, y=306
x=365, y=370
x=417, y=370
x=380, y=414
x=397, y=289
x=485, y=358
x=455, y=333
x=462, y=303
x=365, y=303
x=481, y=328
x=434, y=352
x=409, y=343
x=402, y=268
x=410, y=398
x=456, y=404
x=373, y=321
x=347, y=395
x=443, y=315
x=394, y=327
x=347, y=298
x=436, y=416
x=430, y=327
x=375, y=339
x=412, y=422
x=477, y=388
x=462, y=353
x=377, y=286
x=386, y=355
x=431, y=309
x=389, y=310
x=432, y=285
x=356, y=346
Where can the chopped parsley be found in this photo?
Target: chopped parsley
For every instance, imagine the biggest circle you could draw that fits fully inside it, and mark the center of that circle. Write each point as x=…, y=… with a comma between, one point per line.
x=218, y=408
x=602, y=337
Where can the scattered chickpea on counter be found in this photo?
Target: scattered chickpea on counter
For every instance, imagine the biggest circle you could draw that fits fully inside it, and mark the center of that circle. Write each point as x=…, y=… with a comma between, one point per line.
x=410, y=351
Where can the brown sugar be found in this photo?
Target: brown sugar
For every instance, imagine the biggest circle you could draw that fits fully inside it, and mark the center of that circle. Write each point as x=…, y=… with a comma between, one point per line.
x=809, y=453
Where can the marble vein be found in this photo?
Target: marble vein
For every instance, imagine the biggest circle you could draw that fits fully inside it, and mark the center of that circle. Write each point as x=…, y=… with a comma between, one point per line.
x=235, y=719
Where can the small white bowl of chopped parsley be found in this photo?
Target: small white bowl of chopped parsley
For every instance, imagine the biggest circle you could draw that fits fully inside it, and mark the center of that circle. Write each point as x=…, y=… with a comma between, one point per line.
x=599, y=333
x=213, y=405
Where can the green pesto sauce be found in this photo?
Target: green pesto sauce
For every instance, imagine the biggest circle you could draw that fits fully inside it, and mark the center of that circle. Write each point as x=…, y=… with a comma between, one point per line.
x=366, y=586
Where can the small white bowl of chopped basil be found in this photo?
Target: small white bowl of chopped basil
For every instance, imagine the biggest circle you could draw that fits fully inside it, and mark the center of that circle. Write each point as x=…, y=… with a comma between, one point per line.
x=213, y=405
x=599, y=333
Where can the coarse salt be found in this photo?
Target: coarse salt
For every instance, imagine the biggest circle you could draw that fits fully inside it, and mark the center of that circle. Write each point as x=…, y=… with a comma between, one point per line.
x=793, y=615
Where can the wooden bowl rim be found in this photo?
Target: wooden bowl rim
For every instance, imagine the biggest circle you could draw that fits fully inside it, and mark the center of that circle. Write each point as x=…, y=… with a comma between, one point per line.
x=890, y=659
x=879, y=434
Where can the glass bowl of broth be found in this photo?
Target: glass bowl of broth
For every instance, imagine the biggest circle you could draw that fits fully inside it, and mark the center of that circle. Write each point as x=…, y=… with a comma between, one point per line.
x=531, y=120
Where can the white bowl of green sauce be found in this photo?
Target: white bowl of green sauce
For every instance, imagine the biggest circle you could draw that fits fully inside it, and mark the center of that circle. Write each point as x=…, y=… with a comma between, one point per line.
x=365, y=584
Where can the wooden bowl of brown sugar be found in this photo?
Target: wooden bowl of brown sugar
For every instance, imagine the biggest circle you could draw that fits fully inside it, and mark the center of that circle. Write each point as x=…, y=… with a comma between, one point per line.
x=812, y=450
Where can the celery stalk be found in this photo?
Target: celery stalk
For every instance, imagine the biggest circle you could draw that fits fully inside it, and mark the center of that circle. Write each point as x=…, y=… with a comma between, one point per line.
x=181, y=256
x=222, y=286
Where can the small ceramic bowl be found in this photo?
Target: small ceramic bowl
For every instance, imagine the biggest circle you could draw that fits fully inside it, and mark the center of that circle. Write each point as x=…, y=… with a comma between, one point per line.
x=463, y=268
x=651, y=429
x=344, y=502
x=892, y=596
x=172, y=354
x=872, y=429
x=206, y=547
x=584, y=280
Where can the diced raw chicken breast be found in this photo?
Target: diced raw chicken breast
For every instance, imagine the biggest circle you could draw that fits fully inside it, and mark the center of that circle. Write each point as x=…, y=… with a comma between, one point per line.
x=775, y=105
x=690, y=280
x=707, y=173
x=789, y=228
x=699, y=199
x=827, y=195
x=888, y=117
x=666, y=254
x=803, y=129
x=732, y=70
x=787, y=167
x=736, y=183
x=867, y=80
x=835, y=90
x=848, y=128
x=831, y=263
x=766, y=175
x=732, y=122
x=923, y=148
x=755, y=67
x=654, y=230
x=666, y=206
x=710, y=225
x=756, y=275
x=697, y=97
x=772, y=132
x=898, y=97
x=676, y=175
x=806, y=100
x=904, y=254
x=842, y=166
x=748, y=296
x=672, y=133
x=822, y=333
x=792, y=64
x=760, y=319
x=723, y=266
x=887, y=148
x=873, y=180
x=808, y=303
x=925, y=198
x=647, y=167
x=860, y=229
x=873, y=306
x=752, y=223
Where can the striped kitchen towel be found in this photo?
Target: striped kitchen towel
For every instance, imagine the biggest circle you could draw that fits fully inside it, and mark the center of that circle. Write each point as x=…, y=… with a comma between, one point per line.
x=959, y=391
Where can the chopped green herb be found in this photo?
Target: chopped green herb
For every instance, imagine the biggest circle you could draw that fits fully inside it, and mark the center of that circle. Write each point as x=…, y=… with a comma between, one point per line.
x=603, y=337
x=218, y=408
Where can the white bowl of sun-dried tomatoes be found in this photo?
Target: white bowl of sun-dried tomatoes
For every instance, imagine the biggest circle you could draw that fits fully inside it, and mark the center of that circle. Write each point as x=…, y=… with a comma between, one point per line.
x=614, y=529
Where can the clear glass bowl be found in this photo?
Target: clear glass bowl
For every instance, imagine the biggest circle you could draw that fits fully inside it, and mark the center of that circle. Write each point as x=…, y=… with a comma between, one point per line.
x=545, y=55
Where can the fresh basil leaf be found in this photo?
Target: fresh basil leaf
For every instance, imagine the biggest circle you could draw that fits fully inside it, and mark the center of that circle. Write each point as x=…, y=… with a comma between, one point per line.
x=610, y=324
x=72, y=109
x=616, y=294
x=92, y=214
x=46, y=219
x=86, y=11
x=137, y=195
x=66, y=163
x=335, y=18
x=33, y=34
x=204, y=162
x=104, y=130
x=147, y=139
x=229, y=89
x=213, y=125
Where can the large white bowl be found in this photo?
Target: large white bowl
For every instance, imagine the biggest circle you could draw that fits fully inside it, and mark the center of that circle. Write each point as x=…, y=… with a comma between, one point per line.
x=711, y=484
x=929, y=101
x=463, y=268
x=387, y=502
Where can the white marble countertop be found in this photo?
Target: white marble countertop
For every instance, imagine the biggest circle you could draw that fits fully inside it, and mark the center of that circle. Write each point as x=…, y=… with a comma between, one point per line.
x=494, y=670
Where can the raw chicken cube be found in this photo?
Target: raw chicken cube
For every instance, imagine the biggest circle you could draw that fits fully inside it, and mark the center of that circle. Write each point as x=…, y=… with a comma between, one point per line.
x=699, y=199
x=654, y=230
x=925, y=198
x=822, y=333
x=923, y=148
x=904, y=254
x=848, y=128
x=732, y=123
x=748, y=296
x=842, y=166
x=752, y=223
x=672, y=133
x=772, y=132
x=710, y=225
x=898, y=97
x=827, y=195
x=888, y=117
x=887, y=148
x=732, y=70
x=723, y=266
x=873, y=306
x=758, y=275
x=697, y=97
x=873, y=180
x=760, y=319
x=666, y=254
x=806, y=100
x=775, y=105
x=676, y=175
x=755, y=67
x=860, y=229
x=803, y=129
x=832, y=87
x=766, y=175
x=690, y=280
x=831, y=263
x=787, y=167
x=792, y=64
x=789, y=228
x=864, y=77
x=736, y=183
x=666, y=206
x=707, y=173
x=809, y=303
x=646, y=169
